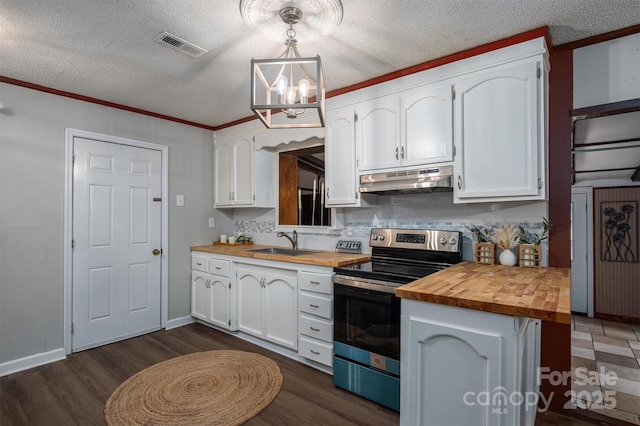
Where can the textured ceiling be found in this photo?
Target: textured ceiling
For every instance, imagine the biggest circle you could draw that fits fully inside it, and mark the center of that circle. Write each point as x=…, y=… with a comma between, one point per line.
x=104, y=49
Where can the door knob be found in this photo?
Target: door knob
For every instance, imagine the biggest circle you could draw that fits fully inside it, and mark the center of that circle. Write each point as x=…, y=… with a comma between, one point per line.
x=156, y=252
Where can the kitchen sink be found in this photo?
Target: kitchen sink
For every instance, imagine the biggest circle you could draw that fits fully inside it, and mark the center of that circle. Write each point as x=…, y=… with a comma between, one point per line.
x=283, y=251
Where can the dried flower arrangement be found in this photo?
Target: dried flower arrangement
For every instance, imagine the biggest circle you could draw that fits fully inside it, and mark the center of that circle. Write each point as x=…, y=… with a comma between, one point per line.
x=506, y=237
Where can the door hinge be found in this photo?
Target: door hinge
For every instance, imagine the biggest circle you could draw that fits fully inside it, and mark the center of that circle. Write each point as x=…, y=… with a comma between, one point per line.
x=254, y=197
x=229, y=323
x=539, y=183
x=71, y=328
x=73, y=159
x=229, y=285
x=357, y=194
x=453, y=93
x=538, y=72
x=355, y=116
x=73, y=243
x=454, y=150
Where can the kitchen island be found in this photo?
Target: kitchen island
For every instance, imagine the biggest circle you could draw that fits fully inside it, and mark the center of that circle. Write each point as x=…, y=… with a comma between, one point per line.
x=471, y=343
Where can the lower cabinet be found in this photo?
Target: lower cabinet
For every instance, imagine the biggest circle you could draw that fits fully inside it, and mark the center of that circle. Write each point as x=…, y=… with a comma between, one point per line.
x=465, y=367
x=267, y=303
x=211, y=296
x=315, y=320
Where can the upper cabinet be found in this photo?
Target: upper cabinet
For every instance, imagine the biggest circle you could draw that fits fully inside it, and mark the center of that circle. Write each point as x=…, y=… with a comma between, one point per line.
x=500, y=133
x=244, y=177
x=412, y=128
x=427, y=125
x=378, y=133
x=341, y=177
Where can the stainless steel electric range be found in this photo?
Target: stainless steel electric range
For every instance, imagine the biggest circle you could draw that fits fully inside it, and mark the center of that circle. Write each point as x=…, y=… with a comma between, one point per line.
x=366, y=329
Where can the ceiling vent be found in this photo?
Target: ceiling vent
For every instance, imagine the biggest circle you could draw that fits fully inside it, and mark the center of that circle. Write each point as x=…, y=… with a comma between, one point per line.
x=180, y=45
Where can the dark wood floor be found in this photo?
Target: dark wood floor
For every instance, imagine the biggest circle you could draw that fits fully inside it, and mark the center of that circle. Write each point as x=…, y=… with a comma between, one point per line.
x=74, y=391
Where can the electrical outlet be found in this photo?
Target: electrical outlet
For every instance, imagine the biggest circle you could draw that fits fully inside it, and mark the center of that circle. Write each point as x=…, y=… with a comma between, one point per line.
x=179, y=200
x=212, y=222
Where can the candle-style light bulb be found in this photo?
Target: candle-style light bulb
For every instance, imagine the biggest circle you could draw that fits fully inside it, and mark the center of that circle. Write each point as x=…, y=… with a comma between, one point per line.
x=291, y=95
x=303, y=86
x=281, y=86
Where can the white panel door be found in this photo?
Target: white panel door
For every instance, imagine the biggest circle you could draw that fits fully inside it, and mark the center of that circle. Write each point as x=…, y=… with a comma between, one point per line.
x=116, y=227
x=580, y=230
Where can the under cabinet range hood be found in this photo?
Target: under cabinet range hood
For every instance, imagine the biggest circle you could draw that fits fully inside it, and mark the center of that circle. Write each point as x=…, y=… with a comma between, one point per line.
x=431, y=179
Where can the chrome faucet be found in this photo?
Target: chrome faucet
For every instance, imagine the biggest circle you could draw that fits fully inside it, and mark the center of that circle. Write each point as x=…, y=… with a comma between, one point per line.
x=294, y=240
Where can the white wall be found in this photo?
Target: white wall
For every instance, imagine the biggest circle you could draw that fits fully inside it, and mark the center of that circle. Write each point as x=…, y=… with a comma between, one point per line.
x=32, y=143
x=607, y=72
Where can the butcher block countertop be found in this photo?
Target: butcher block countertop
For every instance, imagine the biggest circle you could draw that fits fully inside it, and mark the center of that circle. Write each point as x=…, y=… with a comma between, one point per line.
x=320, y=258
x=541, y=293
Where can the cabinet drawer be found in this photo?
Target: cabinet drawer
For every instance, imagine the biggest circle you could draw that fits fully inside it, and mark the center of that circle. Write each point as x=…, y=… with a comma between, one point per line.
x=315, y=304
x=320, y=283
x=219, y=267
x=315, y=350
x=315, y=327
x=199, y=263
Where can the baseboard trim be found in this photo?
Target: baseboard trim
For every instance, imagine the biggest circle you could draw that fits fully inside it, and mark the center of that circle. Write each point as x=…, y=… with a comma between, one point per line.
x=31, y=361
x=179, y=322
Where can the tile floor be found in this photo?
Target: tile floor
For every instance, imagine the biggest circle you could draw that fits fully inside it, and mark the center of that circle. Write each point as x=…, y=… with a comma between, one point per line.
x=605, y=363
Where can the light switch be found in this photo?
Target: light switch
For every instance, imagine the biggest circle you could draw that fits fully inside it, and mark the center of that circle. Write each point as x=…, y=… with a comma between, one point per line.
x=212, y=222
x=180, y=200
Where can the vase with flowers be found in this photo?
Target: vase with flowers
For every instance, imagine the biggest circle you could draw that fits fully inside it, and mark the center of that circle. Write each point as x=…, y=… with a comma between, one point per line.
x=506, y=239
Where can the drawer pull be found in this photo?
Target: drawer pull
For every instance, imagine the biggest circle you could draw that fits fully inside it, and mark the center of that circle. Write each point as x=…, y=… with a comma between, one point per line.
x=314, y=306
x=314, y=329
x=198, y=263
x=314, y=352
x=314, y=282
x=218, y=268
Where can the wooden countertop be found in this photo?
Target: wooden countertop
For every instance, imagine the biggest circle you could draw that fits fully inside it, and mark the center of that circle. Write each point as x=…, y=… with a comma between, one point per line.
x=541, y=293
x=320, y=258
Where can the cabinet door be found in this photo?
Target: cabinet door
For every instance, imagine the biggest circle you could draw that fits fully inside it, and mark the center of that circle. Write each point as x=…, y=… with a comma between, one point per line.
x=466, y=360
x=243, y=188
x=497, y=134
x=219, y=302
x=281, y=308
x=428, y=125
x=224, y=158
x=249, y=295
x=379, y=133
x=200, y=295
x=340, y=150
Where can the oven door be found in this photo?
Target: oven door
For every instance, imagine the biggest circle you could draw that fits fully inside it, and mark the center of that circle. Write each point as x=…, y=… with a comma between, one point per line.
x=367, y=317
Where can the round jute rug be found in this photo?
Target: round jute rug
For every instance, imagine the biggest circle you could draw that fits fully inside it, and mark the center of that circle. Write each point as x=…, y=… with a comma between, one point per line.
x=204, y=388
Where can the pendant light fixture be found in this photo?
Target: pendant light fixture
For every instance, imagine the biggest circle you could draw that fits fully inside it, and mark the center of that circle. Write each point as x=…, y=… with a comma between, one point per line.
x=289, y=84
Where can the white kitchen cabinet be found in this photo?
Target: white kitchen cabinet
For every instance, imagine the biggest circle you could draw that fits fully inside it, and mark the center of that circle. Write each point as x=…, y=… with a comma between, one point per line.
x=378, y=133
x=341, y=178
x=315, y=320
x=466, y=367
x=409, y=129
x=500, y=133
x=243, y=177
x=267, y=303
x=211, y=296
x=427, y=125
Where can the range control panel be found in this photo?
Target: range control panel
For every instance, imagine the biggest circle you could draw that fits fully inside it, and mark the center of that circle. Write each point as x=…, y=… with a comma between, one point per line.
x=419, y=239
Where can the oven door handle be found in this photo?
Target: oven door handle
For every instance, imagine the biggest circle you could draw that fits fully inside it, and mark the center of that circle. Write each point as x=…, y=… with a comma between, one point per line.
x=374, y=285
